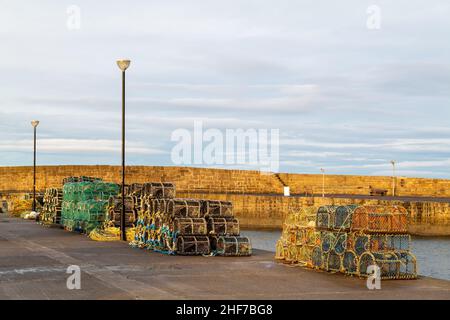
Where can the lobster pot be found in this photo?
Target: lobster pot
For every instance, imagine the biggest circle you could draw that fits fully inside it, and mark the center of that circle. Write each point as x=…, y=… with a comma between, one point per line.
x=291, y=254
x=305, y=254
x=81, y=179
x=190, y=226
x=328, y=240
x=193, y=245
x=334, y=261
x=116, y=203
x=340, y=244
x=388, y=263
x=306, y=216
x=307, y=236
x=380, y=219
x=325, y=217
x=390, y=242
x=160, y=190
x=291, y=235
x=217, y=208
x=408, y=265
x=213, y=242
x=361, y=244
x=317, y=257
x=350, y=262
x=343, y=217
x=279, y=251
x=184, y=208
x=146, y=204
x=381, y=242
x=399, y=242
x=399, y=219
x=234, y=246
x=223, y=226
x=134, y=189
x=114, y=217
x=52, y=206
x=136, y=203
x=158, y=206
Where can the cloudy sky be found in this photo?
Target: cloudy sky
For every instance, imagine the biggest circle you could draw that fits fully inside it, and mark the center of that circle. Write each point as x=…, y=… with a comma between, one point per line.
x=344, y=96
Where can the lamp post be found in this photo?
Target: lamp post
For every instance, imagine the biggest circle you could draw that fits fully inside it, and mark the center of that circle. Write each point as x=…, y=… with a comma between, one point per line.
x=323, y=182
x=393, y=177
x=123, y=65
x=34, y=123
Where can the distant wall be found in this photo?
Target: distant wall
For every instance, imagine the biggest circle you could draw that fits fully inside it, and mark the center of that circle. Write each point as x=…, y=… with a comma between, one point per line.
x=224, y=181
x=347, y=184
x=252, y=192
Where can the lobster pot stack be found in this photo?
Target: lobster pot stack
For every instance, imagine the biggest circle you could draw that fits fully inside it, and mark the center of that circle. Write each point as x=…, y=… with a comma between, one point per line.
x=114, y=210
x=81, y=179
x=379, y=236
x=185, y=226
x=299, y=237
x=351, y=239
x=224, y=230
x=85, y=201
x=51, y=209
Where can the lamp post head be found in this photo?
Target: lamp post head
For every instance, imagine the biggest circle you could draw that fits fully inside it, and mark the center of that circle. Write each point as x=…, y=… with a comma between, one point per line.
x=34, y=123
x=393, y=162
x=322, y=170
x=123, y=64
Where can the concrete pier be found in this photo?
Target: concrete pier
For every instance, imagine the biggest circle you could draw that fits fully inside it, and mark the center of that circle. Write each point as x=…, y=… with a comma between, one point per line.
x=34, y=261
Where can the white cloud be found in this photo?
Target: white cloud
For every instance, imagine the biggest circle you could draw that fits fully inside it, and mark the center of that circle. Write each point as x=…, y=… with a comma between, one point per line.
x=340, y=94
x=78, y=145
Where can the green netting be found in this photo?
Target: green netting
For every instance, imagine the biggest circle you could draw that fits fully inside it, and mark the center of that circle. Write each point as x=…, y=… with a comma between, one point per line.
x=84, y=204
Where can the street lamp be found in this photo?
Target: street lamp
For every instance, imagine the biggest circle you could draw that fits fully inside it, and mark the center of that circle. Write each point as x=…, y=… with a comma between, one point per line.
x=393, y=177
x=123, y=65
x=34, y=123
x=323, y=182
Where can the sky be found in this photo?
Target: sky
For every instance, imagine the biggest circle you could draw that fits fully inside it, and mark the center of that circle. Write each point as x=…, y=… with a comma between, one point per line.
x=347, y=94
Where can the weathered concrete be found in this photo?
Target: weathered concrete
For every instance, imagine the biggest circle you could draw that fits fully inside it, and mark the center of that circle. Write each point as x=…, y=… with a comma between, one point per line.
x=33, y=261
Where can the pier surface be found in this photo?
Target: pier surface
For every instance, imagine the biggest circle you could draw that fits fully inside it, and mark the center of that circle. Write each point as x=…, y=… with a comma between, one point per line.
x=34, y=261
